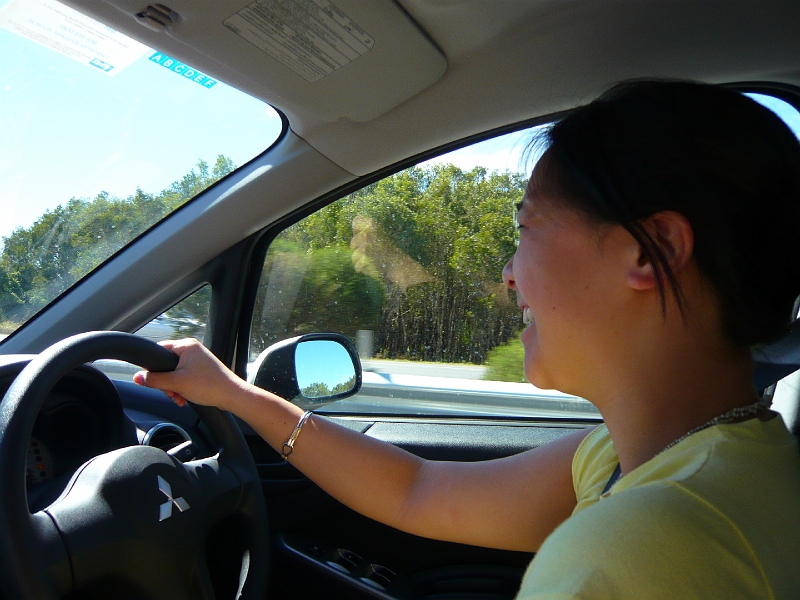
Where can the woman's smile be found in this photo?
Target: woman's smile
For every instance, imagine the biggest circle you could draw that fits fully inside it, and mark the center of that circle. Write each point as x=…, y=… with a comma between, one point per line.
x=527, y=318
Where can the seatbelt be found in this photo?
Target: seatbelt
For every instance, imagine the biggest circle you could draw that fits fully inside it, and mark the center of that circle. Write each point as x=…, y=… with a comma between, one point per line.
x=613, y=479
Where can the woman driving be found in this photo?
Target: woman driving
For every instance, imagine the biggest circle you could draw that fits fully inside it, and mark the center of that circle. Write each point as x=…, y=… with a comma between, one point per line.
x=656, y=246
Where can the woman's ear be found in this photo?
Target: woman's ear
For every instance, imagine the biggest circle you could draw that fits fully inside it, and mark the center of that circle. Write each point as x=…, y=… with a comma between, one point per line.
x=673, y=235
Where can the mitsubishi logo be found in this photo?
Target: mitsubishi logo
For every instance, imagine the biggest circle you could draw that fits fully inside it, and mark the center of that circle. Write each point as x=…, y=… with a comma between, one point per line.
x=165, y=510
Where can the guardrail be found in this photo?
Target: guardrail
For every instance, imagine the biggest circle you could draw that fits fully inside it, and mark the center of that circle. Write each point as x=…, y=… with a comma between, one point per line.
x=384, y=394
x=390, y=394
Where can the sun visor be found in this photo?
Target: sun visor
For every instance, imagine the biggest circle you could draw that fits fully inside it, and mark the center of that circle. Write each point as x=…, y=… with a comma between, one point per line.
x=347, y=58
x=328, y=58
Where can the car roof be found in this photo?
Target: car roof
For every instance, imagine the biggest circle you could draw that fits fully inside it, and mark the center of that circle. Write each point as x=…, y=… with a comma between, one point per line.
x=440, y=70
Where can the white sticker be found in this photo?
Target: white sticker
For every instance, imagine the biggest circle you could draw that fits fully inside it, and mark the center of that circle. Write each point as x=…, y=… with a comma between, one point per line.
x=311, y=37
x=72, y=34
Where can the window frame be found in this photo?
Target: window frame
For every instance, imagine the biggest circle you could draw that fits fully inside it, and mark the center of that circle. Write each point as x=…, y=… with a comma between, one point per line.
x=264, y=239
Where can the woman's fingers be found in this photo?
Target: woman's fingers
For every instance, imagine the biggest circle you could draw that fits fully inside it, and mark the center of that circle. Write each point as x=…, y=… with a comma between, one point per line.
x=159, y=382
x=198, y=377
x=177, y=398
x=162, y=381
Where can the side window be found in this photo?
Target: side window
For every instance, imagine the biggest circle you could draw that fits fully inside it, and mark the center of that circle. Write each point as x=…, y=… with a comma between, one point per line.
x=788, y=113
x=410, y=269
x=187, y=318
x=787, y=391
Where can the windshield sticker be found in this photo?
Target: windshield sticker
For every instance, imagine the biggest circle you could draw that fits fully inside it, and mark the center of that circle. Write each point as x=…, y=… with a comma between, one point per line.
x=311, y=37
x=183, y=70
x=72, y=34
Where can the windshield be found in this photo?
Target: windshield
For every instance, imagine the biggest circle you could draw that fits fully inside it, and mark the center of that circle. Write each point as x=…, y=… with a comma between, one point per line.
x=101, y=137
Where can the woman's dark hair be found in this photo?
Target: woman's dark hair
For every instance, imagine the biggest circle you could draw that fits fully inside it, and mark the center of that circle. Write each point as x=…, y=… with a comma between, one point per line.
x=726, y=163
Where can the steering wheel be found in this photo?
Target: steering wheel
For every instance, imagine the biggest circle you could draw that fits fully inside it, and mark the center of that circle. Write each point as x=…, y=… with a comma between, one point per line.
x=134, y=514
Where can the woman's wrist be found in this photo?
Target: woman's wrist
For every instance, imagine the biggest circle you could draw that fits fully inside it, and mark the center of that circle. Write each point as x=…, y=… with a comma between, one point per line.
x=252, y=403
x=271, y=416
x=235, y=395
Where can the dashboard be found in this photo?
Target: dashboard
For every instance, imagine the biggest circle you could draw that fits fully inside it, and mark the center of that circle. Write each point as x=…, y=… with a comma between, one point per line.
x=85, y=415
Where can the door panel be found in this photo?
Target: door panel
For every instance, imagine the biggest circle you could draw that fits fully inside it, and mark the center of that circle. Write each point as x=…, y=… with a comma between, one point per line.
x=311, y=530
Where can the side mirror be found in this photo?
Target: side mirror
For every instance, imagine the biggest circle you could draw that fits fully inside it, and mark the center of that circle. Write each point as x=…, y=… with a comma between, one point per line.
x=310, y=369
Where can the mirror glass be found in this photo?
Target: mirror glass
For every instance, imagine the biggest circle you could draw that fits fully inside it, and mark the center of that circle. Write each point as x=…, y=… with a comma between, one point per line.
x=324, y=369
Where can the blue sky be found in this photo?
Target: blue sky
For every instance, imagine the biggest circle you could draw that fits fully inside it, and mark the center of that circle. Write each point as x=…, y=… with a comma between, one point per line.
x=323, y=361
x=507, y=152
x=70, y=130
x=502, y=153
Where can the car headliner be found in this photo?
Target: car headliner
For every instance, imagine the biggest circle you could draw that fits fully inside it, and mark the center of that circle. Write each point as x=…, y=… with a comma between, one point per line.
x=440, y=71
x=481, y=64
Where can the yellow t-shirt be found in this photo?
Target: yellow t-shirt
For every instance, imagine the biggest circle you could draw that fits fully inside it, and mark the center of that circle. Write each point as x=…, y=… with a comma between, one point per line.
x=715, y=516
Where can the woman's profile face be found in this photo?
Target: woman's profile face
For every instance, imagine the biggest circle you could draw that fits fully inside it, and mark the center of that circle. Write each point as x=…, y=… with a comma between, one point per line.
x=570, y=287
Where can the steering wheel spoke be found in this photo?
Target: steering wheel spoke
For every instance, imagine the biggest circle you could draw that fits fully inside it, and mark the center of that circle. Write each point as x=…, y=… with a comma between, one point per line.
x=201, y=581
x=52, y=567
x=220, y=488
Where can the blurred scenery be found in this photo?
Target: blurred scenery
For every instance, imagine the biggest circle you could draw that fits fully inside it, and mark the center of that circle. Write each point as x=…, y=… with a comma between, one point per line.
x=413, y=260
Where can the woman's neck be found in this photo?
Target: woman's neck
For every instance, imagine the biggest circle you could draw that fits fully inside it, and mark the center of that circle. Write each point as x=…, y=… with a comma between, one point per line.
x=649, y=410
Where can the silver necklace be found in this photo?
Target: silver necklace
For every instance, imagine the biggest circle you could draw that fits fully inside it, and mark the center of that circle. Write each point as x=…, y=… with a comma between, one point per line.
x=728, y=417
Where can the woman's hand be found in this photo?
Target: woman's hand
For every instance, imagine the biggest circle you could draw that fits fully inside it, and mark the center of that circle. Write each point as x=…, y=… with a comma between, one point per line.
x=199, y=377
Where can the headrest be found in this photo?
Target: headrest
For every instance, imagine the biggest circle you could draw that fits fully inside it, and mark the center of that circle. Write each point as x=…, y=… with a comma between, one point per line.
x=776, y=360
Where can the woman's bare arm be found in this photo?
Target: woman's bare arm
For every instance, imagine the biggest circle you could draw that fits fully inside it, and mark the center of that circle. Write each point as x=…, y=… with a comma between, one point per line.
x=511, y=503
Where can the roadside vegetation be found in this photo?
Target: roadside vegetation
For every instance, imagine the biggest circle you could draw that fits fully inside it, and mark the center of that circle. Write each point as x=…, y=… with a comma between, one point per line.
x=41, y=261
x=505, y=362
x=416, y=258
x=8, y=327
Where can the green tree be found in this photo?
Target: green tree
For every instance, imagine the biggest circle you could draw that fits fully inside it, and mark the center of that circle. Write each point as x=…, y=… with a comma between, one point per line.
x=316, y=390
x=345, y=386
x=433, y=239
x=321, y=390
x=304, y=291
x=64, y=244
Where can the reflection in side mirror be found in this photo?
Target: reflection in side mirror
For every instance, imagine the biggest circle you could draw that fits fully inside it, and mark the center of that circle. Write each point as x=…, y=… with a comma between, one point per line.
x=324, y=369
x=309, y=370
